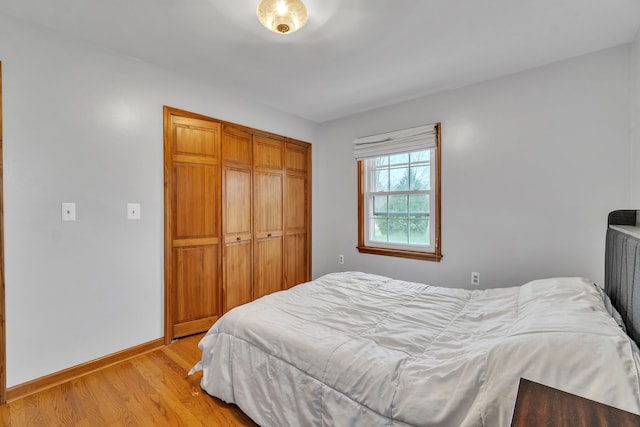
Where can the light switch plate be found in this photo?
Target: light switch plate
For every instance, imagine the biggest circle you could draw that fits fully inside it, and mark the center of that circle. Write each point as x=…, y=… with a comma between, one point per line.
x=68, y=211
x=133, y=210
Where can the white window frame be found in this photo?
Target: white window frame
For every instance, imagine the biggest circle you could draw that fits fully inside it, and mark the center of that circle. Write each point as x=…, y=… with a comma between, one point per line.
x=369, y=169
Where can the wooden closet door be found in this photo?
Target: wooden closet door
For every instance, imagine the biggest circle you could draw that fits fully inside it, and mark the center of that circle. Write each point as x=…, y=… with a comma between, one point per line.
x=192, y=225
x=237, y=153
x=297, y=215
x=268, y=199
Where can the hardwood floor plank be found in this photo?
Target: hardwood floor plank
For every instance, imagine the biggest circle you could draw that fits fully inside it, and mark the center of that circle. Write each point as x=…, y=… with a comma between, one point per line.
x=170, y=391
x=187, y=351
x=142, y=397
x=74, y=407
x=59, y=406
x=185, y=392
x=19, y=415
x=151, y=389
x=112, y=406
x=85, y=399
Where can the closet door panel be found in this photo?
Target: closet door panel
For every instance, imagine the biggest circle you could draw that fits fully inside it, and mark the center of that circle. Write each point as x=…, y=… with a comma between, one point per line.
x=268, y=266
x=267, y=153
x=296, y=206
x=296, y=158
x=268, y=204
x=237, y=145
x=193, y=226
x=196, y=204
x=238, y=280
x=237, y=202
x=297, y=260
x=196, y=276
x=196, y=137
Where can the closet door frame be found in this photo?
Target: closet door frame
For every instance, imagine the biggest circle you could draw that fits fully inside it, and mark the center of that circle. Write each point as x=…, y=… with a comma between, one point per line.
x=168, y=111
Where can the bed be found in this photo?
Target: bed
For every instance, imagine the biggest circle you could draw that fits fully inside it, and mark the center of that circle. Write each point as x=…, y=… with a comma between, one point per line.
x=359, y=349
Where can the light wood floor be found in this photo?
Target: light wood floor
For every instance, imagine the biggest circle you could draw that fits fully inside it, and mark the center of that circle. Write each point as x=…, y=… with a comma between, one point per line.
x=149, y=390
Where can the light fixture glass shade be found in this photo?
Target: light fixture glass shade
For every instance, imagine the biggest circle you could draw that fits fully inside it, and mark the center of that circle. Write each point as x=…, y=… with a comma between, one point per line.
x=282, y=16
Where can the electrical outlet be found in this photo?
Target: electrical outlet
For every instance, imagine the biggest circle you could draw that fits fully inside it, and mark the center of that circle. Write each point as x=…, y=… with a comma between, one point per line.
x=341, y=259
x=475, y=278
x=133, y=210
x=68, y=211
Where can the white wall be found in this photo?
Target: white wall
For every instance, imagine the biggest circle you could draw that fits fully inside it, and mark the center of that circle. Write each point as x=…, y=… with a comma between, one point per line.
x=531, y=165
x=635, y=123
x=84, y=125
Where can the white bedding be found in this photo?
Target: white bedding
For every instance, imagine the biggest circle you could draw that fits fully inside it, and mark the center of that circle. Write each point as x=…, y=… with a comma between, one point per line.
x=353, y=349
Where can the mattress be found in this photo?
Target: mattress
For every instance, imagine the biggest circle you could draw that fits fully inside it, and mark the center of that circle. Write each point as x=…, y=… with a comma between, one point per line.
x=355, y=349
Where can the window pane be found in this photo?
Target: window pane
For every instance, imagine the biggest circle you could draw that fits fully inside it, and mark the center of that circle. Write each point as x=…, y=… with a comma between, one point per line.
x=419, y=206
x=398, y=230
x=419, y=231
x=381, y=180
x=399, y=159
x=420, y=156
x=380, y=230
x=398, y=206
x=380, y=204
x=399, y=179
x=420, y=178
x=382, y=161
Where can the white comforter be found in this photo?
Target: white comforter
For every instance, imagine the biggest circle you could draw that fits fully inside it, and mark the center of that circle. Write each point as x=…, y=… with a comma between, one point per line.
x=353, y=349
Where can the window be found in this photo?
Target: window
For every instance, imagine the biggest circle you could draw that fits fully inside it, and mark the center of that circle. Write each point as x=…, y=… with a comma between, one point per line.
x=399, y=193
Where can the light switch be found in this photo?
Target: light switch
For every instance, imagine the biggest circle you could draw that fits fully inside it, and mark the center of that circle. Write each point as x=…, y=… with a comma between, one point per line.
x=133, y=210
x=68, y=211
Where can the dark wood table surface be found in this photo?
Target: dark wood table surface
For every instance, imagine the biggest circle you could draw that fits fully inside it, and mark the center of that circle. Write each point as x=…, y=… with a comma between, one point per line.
x=538, y=405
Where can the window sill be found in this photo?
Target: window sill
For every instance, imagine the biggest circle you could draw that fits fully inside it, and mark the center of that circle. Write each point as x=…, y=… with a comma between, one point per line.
x=426, y=256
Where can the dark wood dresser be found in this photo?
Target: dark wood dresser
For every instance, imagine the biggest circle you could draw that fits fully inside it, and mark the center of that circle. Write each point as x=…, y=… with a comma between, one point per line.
x=538, y=405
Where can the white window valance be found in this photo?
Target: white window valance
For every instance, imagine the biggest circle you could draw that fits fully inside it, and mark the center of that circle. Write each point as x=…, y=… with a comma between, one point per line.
x=400, y=141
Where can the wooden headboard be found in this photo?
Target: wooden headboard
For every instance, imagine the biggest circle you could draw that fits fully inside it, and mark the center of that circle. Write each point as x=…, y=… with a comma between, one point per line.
x=622, y=267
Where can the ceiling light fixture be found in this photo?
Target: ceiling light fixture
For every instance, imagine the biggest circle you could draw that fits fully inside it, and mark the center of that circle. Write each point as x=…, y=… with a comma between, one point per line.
x=282, y=16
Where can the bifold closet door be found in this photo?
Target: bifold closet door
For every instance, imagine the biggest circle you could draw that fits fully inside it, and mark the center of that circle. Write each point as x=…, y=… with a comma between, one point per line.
x=297, y=214
x=237, y=214
x=192, y=225
x=268, y=187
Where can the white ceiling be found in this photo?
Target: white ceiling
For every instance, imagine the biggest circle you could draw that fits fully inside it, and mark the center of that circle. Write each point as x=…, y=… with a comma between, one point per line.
x=353, y=55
